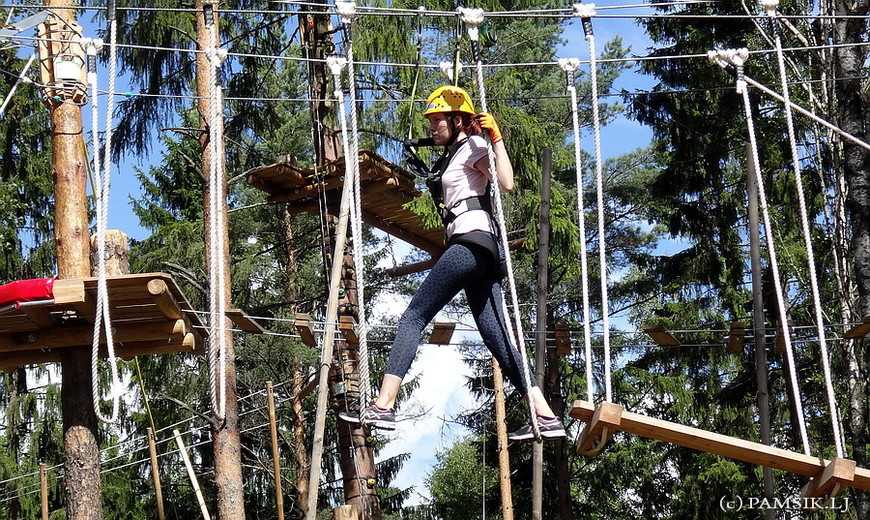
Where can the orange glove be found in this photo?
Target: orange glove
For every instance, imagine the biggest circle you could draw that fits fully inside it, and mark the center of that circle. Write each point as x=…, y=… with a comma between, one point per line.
x=487, y=122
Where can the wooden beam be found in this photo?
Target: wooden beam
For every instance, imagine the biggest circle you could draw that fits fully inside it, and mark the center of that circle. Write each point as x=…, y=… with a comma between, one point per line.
x=442, y=332
x=736, y=337
x=839, y=473
x=164, y=299
x=39, y=315
x=779, y=343
x=598, y=431
x=347, y=326
x=661, y=336
x=416, y=267
x=859, y=331
x=302, y=323
x=244, y=322
x=64, y=337
x=718, y=444
x=563, y=339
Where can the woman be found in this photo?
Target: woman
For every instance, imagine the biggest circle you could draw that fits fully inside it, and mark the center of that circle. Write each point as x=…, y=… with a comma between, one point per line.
x=471, y=262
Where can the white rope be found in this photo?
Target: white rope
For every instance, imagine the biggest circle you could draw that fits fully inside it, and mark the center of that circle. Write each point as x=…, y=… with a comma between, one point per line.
x=569, y=66
x=737, y=58
x=217, y=202
x=472, y=20
x=805, y=226
x=585, y=12
x=102, y=182
x=351, y=164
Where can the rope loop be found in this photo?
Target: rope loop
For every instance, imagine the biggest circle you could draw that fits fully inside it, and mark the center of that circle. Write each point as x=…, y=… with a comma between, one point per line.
x=216, y=55
x=569, y=66
x=91, y=46
x=336, y=64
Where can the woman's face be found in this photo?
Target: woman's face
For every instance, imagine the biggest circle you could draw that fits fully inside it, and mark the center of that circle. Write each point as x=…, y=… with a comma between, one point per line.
x=439, y=128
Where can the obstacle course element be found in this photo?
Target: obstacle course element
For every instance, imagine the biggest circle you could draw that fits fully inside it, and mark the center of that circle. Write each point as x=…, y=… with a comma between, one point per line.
x=386, y=188
x=827, y=477
x=40, y=318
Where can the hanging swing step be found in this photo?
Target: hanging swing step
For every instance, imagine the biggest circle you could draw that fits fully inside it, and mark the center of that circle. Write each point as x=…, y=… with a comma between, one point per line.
x=827, y=475
x=859, y=331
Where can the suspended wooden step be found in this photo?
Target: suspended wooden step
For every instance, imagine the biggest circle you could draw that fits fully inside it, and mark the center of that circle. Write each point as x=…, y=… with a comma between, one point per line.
x=386, y=189
x=39, y=318
x=859, y=331
x=827, y=476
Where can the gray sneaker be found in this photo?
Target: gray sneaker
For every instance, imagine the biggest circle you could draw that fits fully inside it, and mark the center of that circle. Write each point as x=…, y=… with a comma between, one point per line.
x=550, y=427
x=372, y=416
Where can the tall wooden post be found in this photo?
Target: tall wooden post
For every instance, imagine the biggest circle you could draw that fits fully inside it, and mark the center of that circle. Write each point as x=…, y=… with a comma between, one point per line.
x=504, y=461
x=227, y=446
x=356, y=456
x=81, y=453
x=541, y=335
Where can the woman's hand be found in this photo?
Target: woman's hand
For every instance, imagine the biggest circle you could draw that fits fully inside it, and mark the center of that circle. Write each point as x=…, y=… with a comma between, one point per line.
x=487, y=122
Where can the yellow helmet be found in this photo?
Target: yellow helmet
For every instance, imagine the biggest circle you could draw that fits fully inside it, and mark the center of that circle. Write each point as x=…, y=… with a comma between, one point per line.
x=449, y=99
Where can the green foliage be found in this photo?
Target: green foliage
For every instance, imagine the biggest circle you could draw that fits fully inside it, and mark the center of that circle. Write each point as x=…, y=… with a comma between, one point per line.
x=459, y=483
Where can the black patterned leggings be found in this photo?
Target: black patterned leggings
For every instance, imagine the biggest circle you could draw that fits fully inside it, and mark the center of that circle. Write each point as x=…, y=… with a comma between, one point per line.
x=460, y=267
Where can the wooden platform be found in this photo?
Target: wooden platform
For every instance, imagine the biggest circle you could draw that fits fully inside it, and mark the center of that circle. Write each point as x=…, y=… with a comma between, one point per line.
x=823, y=471
x=148, y=314
x=385, y=187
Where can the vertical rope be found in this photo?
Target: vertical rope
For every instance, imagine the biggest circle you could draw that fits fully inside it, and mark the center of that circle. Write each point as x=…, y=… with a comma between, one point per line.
x=737, y=58
x=347, y=11
x=217, y=201
x=569, y=65
x=473, y=18
x=805, y=226
x=585, y=12
x=102, y=182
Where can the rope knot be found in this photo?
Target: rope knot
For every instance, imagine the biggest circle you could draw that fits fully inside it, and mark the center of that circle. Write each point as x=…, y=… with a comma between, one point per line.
x=583, y=10
x=768, y=5
x=335, y=64
x=91, y=46
x=447, y=69
x=216, y=55
x=569, y=64
x=346, y=9
x=472, y=18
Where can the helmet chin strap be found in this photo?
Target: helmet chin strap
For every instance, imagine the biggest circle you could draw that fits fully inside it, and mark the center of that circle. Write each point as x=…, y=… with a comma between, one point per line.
x=454, y=133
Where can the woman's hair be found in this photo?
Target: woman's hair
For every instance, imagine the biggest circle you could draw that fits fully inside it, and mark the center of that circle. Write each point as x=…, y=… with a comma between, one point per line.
x=470, y=125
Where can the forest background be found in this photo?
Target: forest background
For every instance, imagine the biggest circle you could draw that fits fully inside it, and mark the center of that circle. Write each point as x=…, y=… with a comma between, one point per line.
x=687, y=188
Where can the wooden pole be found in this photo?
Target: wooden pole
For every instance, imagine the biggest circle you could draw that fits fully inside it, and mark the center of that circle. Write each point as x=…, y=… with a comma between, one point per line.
x=541, y=335
x=761, y=396
x=504, y=462
x=346, y=512
x=227, y=443
x=81, y=453
x=182, y=449
x=43, y=490
x=276, y=461
x=155, y=474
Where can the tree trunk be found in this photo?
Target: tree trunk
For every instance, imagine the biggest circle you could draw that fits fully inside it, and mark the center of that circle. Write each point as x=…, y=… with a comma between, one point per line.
x=854, y=117
x=227, y=445
x=82, y=484
x=553, y=392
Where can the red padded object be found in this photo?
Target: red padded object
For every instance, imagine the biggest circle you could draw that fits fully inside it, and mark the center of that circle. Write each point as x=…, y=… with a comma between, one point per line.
x=22, y=291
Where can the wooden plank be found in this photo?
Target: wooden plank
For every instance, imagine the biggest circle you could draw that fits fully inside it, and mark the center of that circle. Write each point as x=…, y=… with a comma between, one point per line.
x=859, y=331
x=65, y=337
x=39, y=315
x=442, y=332
x=736, y=337
x=661, y=336
x=244, y=322
x=563, y=339
x=779, y=342
x=302, y=323
x=347, y=326
x=731, y=447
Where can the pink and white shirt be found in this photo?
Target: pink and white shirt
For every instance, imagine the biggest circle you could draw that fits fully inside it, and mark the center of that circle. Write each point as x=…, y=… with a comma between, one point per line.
x=461, y=180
